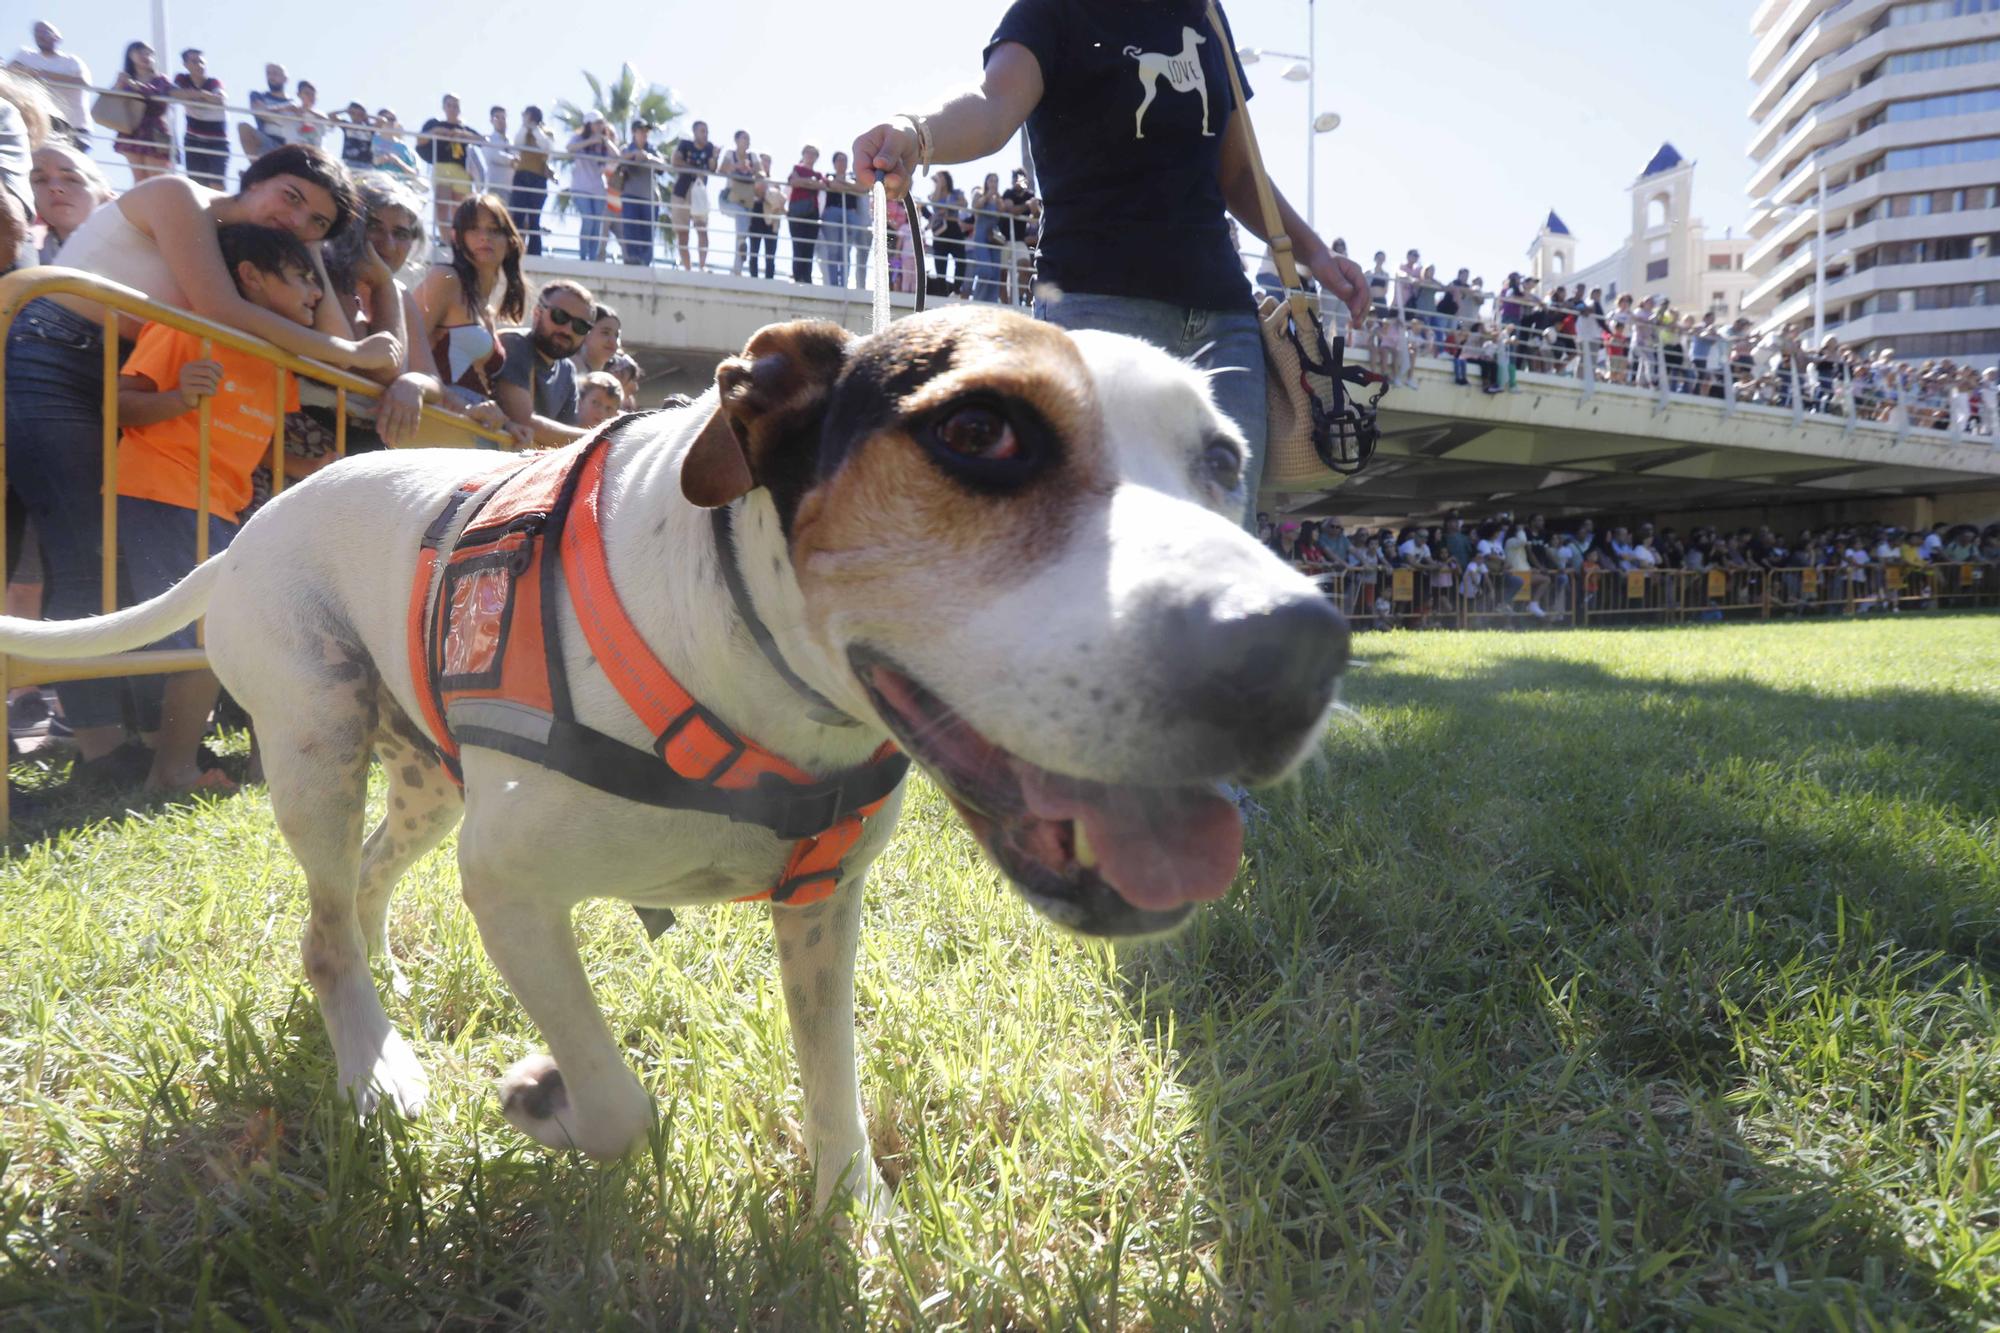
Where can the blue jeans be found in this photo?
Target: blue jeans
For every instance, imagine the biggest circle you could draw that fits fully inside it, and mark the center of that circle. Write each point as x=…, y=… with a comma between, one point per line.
x=156, y=551
x=591, y=209
x=524, y=203
x=635, y=228
x=834, y=225
x=987, y=282
x=55, y=464
x=1224, y=340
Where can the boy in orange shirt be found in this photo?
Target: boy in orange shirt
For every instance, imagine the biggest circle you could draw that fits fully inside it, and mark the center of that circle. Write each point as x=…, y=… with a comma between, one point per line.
x=160, y=392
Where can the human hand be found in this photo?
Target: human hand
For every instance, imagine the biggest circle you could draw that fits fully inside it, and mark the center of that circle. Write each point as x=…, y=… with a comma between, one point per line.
x=889, y=153
x=523, y=437
x=399, y=410
x=487, y=413
x=199, y=380
x=1342, y=276
x=375, y=354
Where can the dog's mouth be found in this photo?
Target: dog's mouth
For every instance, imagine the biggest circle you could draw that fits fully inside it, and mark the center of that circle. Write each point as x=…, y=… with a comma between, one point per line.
x=1101, y=858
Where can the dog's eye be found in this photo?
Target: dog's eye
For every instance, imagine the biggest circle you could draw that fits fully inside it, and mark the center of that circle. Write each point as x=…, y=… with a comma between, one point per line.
x=1223, y=462
x=979, y=432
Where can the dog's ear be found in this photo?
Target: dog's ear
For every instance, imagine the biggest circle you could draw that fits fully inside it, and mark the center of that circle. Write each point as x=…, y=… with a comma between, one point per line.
x=769, y=403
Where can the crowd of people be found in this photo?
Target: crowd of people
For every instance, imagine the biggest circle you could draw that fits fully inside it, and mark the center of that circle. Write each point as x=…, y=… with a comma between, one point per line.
x=398, y=254
x=1649, y=343
x=1527, y=571
x=326, y=264
x=626, y=187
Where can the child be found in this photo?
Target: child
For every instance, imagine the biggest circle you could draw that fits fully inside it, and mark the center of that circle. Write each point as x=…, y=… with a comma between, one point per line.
x=600, y=397
x=160, y=393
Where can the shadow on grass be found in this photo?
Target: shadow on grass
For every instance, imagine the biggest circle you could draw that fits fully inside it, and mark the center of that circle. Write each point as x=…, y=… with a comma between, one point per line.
x=253, y=1195
x=1527, y=973
x=44, y=803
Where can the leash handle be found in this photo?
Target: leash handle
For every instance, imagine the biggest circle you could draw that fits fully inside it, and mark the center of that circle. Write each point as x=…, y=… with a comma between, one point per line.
x=878, y=254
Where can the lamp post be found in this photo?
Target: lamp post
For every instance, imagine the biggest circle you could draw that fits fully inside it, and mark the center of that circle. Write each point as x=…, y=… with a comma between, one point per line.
x=1303, y=70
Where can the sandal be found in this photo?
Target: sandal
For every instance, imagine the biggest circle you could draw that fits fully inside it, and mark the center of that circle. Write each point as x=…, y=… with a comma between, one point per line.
x=212, y=782
x=126, y=766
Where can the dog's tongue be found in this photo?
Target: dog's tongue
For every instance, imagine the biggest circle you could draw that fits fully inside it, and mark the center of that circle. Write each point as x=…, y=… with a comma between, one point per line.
x=1159, y=847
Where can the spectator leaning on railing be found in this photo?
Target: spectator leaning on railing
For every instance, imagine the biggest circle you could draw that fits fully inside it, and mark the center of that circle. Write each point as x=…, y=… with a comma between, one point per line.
x=64, y=76
x=205, y=138
x=160, y=238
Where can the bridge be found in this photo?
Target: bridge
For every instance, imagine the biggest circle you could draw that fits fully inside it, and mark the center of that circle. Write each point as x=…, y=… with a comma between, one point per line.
x=1554, y=444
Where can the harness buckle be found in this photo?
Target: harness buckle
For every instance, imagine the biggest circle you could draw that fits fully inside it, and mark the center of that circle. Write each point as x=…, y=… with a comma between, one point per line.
x=802, y=812
x=734, y=746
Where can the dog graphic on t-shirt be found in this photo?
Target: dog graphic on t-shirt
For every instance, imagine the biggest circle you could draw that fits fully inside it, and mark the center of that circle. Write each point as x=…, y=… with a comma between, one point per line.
x=1182, y=72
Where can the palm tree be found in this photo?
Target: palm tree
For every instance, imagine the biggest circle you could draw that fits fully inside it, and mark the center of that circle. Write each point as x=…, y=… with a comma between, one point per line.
x=624, y=101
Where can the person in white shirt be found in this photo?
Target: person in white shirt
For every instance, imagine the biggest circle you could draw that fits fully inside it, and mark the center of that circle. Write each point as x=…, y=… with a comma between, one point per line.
x=63, y=75
x=497, y=156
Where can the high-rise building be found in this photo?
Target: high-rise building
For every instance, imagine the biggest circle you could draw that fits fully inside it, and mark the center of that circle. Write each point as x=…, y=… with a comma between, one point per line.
x=1668, y=253
x=1884, y=117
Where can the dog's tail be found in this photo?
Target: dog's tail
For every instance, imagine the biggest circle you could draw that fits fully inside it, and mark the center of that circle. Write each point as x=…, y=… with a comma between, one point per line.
x=134, y=627
x=1134, y=52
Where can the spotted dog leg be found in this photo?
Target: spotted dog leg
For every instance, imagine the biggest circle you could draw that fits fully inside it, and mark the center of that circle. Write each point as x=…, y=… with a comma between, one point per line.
x=816, y=947
x=423, y=806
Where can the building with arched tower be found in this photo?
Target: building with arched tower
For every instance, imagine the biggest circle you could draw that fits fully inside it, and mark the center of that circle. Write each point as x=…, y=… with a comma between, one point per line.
x=1552, y=258
x=1668, y=252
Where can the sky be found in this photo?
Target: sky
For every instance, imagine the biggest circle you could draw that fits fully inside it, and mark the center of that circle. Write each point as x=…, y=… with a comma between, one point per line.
x=1463, y=121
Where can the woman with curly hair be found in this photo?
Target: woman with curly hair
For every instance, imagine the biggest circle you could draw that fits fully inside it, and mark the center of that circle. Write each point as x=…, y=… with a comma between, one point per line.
x=456, y=300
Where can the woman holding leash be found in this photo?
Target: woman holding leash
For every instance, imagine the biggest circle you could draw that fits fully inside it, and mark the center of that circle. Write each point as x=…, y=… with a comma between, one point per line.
x=1142, y=161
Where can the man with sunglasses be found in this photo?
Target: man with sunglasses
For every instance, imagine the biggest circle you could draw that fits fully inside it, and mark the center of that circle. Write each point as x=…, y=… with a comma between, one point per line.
x=537, y=386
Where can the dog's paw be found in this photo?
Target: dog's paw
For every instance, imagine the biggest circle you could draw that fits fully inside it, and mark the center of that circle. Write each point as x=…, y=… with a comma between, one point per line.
x=396, y=1078
x=858, y=1191
x=536, y=1100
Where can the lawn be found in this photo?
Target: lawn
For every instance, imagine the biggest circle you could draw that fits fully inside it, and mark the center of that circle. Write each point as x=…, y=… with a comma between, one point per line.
x=1626, y=980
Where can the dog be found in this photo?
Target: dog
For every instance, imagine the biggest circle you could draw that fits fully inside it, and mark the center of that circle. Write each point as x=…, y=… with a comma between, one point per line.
x=1182, y=72
x=1012, y=551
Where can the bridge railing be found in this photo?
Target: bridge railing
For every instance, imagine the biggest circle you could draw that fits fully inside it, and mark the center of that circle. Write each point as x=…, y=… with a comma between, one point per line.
x=1445, y=597
x=20, y=288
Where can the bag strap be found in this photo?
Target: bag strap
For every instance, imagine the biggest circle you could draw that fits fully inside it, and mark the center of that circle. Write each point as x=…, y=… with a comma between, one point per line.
x=1267, y=199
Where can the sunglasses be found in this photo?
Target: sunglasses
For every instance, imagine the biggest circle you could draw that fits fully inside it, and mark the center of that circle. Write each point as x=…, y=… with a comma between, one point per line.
x=563, y=319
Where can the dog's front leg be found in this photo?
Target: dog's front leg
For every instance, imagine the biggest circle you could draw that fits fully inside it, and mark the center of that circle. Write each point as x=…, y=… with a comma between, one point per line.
x=581, y=1094
x=816, y=947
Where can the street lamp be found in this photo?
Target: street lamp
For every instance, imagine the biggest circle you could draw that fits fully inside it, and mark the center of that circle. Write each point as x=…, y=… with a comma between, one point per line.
x=1302, y=70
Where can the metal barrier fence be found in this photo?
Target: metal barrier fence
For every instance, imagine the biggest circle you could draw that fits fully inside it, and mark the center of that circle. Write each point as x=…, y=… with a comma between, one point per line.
x=26, y=285
x=1447, y=598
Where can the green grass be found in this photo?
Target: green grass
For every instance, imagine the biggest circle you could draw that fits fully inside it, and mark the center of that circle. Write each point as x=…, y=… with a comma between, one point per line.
x=1618, y=980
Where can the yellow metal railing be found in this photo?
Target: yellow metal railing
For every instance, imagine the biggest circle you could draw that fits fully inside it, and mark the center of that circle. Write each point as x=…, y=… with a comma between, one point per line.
x=16, y=291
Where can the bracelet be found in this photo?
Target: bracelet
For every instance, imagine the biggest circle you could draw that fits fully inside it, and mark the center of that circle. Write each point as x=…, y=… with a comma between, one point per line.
x=921, y=127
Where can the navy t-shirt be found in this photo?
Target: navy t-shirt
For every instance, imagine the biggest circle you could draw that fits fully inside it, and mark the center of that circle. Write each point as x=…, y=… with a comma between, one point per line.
x=1127, y=140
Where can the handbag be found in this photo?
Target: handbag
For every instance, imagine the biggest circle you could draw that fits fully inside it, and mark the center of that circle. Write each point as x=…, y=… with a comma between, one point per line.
x=121, y=112
x=1321, y=424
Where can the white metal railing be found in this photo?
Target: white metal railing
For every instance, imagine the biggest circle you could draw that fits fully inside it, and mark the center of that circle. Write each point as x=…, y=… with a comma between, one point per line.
x=1608, y=351
x=1673, y=365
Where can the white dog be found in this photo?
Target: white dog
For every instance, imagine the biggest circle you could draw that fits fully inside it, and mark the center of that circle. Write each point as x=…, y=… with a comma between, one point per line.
x=1011, y=549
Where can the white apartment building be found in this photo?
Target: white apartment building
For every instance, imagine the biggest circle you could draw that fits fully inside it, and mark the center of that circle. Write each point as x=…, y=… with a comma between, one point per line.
x=1889, y=110
x=1668, y=252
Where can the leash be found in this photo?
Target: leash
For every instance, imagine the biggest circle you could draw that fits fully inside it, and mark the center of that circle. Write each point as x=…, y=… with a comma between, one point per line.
x=878, y=253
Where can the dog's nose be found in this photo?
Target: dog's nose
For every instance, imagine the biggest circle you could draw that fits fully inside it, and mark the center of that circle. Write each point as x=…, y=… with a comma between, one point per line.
x=1262, y=678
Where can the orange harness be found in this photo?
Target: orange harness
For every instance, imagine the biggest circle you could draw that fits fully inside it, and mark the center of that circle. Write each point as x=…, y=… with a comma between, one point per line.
x=486, y=655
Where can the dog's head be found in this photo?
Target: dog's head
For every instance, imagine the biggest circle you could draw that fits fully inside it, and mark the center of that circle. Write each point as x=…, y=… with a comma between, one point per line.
x=1023, y=543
